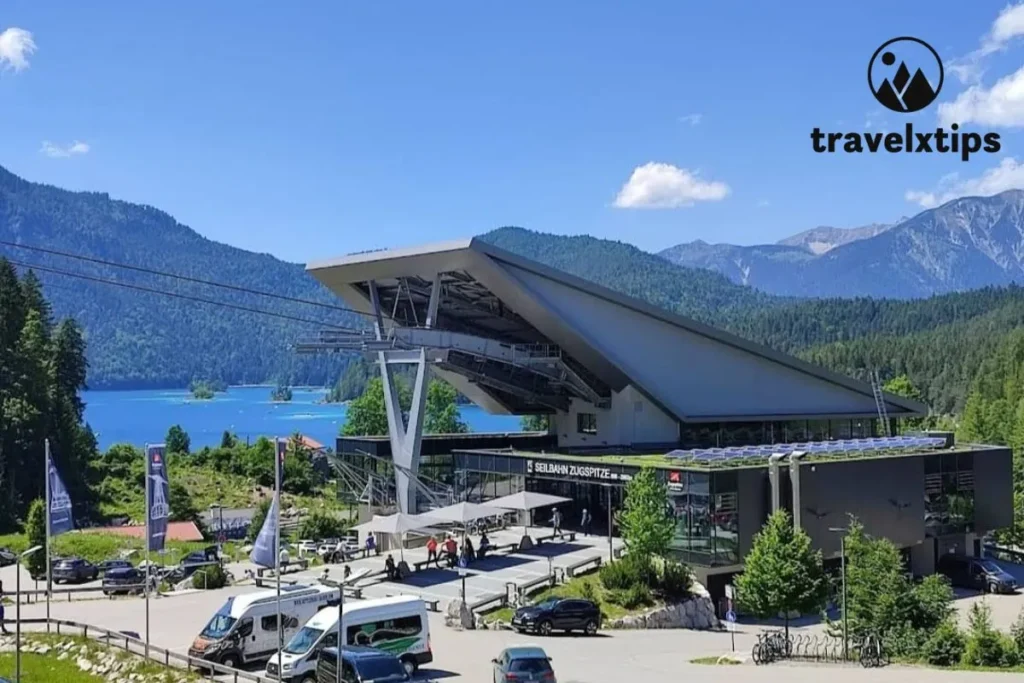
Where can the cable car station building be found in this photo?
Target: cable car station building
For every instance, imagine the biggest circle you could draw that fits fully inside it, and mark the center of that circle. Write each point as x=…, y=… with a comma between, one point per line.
x=734, y=429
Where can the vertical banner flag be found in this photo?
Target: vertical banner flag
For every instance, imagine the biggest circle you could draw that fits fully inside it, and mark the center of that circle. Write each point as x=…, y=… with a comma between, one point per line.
x=61, y=520
x=264, y=551
x=159, y=494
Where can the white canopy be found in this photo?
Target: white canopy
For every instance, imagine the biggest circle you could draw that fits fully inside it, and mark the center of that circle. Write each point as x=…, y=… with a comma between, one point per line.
x=462, y=513
x=527, y=500
x=397, y=523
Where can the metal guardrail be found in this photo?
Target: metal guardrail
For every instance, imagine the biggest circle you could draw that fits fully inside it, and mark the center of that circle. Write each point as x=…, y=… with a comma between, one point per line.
x=156, y=654
x=1004, y=554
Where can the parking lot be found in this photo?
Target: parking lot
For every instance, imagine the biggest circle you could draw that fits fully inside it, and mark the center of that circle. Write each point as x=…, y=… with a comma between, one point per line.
x=653, y=656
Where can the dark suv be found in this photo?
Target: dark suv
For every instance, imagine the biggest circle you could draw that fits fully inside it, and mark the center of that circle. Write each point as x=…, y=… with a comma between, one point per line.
x=558, y=614
x=360, y=665
x=74, y=570
x=978, y=573
x=123, y=580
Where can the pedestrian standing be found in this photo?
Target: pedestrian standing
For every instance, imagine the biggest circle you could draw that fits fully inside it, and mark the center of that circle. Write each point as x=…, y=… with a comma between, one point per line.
x=556, y=521
x=585, y=520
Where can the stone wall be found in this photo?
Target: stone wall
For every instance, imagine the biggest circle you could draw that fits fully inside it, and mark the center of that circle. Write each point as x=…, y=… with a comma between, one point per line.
x=697, y=612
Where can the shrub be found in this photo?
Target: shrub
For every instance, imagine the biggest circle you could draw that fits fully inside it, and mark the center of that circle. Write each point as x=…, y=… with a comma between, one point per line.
x=637, y=595
x=619, y=575
x=946, y=645
x=674, y=580
x=1017, y=632
x=587, y=591
x=985, y=645
x=210, y=577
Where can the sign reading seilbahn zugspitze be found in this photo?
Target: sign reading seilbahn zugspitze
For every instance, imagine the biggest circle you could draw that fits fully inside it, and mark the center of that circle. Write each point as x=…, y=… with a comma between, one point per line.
x=905, y=75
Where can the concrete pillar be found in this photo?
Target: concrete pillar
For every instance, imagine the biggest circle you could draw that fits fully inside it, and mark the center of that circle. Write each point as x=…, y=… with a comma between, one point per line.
x=794, y=478
x=774, y=480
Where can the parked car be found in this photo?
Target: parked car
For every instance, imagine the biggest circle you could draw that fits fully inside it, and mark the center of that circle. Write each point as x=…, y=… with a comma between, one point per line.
x=7, y=557
x=523, y=664
x=306, y=547
x=74, y=570
x=107, y=565
x=558, y=614
x=123, y=580
x=360, y=665
x=978, y=573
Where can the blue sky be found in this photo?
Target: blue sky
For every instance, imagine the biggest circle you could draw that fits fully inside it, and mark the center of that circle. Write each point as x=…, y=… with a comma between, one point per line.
x=323, y=128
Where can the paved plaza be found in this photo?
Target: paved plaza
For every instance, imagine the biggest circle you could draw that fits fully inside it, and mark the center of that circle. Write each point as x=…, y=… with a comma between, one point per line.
x=610, y=657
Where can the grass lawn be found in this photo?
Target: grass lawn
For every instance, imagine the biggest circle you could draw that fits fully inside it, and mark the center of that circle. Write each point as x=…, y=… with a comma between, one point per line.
x=45, y=669
x=716, y=661
x=574, y=588
x=97, y=547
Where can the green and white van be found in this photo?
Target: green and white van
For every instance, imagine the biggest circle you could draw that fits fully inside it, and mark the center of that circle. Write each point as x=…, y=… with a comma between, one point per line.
x=398, y=625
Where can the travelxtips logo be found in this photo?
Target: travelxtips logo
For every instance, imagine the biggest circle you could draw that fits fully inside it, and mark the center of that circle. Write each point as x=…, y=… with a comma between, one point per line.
x=891, y=80
x=905, y=75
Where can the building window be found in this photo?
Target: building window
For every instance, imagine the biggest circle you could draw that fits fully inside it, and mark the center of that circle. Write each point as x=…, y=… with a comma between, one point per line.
x=586, y=423
x=948, y=493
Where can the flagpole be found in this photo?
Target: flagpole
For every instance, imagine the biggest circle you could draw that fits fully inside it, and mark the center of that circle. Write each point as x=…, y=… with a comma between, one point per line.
x=278, y=466
x=49, y=578
x=148, y=508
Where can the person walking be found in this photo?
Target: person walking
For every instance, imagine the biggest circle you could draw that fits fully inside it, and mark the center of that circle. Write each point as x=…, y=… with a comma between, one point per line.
x=556, y=521
x=432, y=552
x=585, y=521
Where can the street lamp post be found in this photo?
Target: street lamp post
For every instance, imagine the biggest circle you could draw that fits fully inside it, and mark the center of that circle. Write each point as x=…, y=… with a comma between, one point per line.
x=341, y=611
x=17, y=610
x=842, y=552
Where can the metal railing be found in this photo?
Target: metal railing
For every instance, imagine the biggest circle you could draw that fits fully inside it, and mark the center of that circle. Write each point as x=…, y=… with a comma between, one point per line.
x=157, y=654
x=774, y=646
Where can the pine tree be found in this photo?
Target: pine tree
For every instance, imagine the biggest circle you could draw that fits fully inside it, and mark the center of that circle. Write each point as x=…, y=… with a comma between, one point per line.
x=782, y=573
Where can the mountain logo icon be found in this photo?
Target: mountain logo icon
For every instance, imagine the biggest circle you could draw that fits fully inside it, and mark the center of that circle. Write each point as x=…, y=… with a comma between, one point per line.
x=905, y=74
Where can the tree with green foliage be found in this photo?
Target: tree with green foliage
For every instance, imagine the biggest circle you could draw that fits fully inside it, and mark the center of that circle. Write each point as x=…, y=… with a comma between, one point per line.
x=228, y=440
x=177, y=440
x=42, y=369
x=320, y=525
x=644, y=520
x=882, y=600
x=900, y=385
x=535, y=423
x=35, y=529
x=782, y=573
x=183, y=509
x=281, y=394
x=442, y=410
x=258, y=518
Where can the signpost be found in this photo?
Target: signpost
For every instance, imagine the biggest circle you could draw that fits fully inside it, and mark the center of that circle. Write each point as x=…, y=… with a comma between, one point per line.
x=730, y=614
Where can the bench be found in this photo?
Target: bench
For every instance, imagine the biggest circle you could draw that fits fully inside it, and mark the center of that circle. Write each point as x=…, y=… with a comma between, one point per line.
x=418, y=566
x=575, y=567
x=271, y=583
x=496, y=599
x=433, y=604
x=529, y=586
x=507, y=548
x=302, y=565
x=561, y=536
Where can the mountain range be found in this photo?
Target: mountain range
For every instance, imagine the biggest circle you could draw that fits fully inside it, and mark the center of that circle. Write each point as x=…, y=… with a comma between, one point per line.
x=139, y=338
x=964, y=244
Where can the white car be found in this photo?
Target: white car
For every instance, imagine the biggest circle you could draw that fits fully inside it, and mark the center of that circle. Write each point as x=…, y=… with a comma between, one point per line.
x=306, y=547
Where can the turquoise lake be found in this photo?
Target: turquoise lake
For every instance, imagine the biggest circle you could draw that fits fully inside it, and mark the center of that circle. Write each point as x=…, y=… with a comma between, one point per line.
x=140, y=417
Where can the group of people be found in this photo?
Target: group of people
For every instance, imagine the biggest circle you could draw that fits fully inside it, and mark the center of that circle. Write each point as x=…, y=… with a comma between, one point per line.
x=586, y=520
x=453, y=553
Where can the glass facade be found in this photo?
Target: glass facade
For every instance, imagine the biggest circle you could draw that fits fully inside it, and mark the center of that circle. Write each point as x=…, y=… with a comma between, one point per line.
x=948, y=493
x=705, y=508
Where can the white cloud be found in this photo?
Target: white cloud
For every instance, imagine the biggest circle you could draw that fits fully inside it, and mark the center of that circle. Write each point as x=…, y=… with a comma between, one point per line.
x=1000, y=105
x=763, y=203
x=1008, y=175
x=16, y=45
x=60, y=152
x=664, y=186
x=1007, y=26
x=692, y=119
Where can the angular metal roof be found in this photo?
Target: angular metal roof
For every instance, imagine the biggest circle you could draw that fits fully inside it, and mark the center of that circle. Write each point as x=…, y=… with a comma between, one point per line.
x=605, y=340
